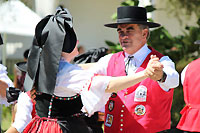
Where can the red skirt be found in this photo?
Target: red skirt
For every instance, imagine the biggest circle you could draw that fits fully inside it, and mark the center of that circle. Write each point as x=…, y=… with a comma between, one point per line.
x=42, y=125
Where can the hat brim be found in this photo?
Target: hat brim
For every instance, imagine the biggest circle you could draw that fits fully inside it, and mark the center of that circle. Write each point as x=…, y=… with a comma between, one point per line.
x=22, y=66
x=150, y=24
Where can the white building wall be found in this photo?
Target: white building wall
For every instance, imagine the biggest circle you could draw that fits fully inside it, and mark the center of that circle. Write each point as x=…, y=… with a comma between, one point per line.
x=89, y=18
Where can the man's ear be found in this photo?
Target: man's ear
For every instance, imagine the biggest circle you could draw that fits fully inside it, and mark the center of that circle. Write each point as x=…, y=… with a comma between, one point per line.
x=145, y=33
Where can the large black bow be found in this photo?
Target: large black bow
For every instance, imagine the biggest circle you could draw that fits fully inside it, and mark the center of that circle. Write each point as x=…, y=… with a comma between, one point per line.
x=53, y=34
x=90, y=56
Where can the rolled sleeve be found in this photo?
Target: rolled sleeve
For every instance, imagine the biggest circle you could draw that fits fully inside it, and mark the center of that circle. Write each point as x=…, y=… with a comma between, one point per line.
x=94, y=98
x=172, y=79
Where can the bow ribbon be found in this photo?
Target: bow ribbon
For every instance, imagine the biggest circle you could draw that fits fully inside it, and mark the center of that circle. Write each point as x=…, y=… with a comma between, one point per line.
x=53, y=34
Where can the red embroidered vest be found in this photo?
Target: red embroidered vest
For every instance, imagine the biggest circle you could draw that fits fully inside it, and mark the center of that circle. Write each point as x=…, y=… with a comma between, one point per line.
x=142, y=108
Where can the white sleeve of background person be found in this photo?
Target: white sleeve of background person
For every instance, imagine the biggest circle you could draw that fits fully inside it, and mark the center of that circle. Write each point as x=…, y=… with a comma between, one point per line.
x=172, y=80
x=3, y=100
x=183, y=74
x=4, y=77
x=23, y=115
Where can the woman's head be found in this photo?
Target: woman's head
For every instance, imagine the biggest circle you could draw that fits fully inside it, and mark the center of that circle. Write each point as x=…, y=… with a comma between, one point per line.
x=54, y=34
x=69, y=56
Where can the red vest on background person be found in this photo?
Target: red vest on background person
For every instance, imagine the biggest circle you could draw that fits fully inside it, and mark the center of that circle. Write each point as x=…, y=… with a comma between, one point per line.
x=190, y=120
x=33, y=113
x=142, y=108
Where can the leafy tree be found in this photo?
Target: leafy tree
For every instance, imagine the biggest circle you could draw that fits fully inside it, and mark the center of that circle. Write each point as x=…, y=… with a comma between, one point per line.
x=180, y=8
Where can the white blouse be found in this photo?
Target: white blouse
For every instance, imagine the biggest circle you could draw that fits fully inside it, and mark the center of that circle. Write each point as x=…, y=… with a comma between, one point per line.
x=71, y=80
x=4, y=77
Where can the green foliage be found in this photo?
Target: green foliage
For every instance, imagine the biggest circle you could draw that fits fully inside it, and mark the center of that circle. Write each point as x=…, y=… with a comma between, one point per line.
x=114, y=47
x=182, y=8
x=6, y=119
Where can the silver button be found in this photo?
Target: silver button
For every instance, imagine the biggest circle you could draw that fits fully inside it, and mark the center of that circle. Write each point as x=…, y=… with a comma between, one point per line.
x=121, y=129
x=122, y=111
x=122, y=115
x=121, y=125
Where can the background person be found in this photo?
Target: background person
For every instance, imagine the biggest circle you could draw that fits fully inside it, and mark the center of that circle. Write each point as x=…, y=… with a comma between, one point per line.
x=190, y=78
x=5, y=81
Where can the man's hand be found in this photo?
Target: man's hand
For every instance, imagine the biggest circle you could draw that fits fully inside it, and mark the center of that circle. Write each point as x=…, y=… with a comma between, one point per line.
x=154, y=68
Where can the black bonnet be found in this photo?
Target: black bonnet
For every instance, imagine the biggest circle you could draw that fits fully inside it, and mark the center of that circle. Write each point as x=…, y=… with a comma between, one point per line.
x=54, y=34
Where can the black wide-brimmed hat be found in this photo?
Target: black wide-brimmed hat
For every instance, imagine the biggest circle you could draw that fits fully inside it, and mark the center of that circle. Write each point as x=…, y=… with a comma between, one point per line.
x=132, y=15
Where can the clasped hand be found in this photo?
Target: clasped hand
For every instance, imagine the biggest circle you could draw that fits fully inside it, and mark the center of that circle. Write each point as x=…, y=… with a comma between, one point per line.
x=154, y=69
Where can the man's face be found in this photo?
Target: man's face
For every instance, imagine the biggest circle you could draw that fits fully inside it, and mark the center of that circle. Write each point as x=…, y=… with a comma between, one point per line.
x=131, y=37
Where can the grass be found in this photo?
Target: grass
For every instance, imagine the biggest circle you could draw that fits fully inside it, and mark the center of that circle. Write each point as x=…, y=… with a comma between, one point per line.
x=6, y=118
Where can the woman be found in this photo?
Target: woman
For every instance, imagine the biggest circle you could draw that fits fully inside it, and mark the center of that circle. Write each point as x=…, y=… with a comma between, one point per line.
x=64, y=92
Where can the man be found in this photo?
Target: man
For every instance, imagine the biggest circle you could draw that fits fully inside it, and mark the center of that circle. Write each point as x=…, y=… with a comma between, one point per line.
x=5, y=82
x=190, y=119
x=146, y=106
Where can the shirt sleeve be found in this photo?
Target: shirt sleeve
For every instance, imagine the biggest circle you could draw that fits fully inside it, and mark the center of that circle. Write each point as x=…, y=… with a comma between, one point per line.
x=4, y=77
x=183, y=74
x=172, y=79
x=101, y=65
x=3, y=100
x=93, y=94
x=23, y=115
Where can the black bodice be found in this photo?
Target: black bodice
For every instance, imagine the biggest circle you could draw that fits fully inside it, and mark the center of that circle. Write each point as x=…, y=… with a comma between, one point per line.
x=60, y=108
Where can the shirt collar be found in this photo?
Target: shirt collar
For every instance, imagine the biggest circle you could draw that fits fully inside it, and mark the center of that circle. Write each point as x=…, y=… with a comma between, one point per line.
x=140, y=55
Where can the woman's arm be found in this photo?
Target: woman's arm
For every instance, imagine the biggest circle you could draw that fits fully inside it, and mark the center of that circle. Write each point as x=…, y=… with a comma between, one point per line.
x=86, y=65
x=118, y=83
x=12, y=130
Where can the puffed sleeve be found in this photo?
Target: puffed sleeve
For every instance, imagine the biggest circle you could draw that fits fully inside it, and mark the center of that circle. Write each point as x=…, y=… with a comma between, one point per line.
x=93, y=94
x=23, y=115
x=4, y=77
